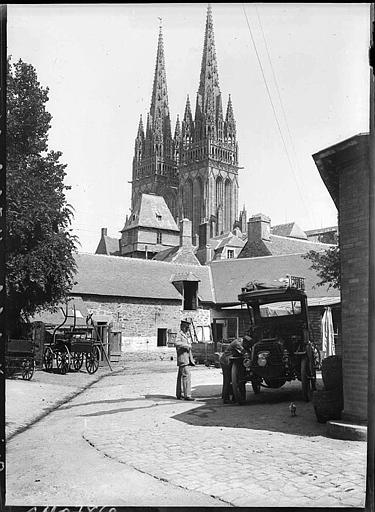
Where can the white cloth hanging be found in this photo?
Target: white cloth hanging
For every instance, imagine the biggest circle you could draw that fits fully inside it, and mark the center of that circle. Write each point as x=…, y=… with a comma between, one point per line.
x=328, y=340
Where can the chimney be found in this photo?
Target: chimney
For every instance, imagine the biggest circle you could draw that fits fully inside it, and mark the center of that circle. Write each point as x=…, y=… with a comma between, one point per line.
x=258, y=228
x=104, y=232
x=185, y=233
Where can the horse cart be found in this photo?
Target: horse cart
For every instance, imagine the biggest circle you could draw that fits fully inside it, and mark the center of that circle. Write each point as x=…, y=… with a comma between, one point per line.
x=72, y=344
x=20, y=358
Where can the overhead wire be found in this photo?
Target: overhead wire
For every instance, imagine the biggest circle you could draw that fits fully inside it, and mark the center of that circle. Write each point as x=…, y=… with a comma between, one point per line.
x=282, y=106
x=274, y=111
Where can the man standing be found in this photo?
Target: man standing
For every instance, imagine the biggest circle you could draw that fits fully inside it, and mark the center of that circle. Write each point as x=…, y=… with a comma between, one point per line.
x=184, y=361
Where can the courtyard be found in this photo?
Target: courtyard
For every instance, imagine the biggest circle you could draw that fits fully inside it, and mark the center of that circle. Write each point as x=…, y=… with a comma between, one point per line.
x=121, y=438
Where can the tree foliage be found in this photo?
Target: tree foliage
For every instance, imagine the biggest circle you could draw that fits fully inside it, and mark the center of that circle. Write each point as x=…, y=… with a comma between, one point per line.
x=327, y=266
x=40, y=246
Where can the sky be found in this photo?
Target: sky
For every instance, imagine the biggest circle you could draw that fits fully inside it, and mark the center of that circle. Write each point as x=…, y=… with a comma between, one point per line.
x=297, y=74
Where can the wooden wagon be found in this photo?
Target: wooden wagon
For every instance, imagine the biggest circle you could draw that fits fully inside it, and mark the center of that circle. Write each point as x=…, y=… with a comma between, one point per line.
x=20, y=358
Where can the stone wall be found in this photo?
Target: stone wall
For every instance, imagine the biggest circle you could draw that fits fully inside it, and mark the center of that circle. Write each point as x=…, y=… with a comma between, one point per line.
x=354, y=247
x=139, y=319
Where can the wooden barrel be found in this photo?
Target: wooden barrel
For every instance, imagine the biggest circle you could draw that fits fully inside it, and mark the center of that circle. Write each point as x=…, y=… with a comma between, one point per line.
x=328, y=405
x=332, y=373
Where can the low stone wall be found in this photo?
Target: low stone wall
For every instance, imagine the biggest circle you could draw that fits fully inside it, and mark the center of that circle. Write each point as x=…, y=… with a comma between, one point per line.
x=162, y=353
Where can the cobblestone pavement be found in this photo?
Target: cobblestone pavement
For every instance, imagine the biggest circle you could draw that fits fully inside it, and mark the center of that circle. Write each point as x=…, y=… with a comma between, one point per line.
x=251, y=455
x=254, y=455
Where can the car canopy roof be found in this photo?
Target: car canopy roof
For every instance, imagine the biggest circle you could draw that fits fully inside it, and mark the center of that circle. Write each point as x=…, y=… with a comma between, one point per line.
x=266, y=293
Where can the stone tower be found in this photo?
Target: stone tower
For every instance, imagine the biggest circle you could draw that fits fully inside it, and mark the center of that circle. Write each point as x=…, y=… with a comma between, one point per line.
x=208, y=155
x=154, y=162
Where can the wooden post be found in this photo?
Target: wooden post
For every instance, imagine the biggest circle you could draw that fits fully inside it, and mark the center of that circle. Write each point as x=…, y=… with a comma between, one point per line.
x=371, y=298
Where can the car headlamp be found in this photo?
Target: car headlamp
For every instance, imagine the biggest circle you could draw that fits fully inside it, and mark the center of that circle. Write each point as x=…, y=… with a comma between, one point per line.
x=262, y=358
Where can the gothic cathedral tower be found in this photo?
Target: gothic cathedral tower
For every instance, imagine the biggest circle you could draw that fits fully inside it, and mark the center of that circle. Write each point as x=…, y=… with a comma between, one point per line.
x=154, y=162
x=208, y=156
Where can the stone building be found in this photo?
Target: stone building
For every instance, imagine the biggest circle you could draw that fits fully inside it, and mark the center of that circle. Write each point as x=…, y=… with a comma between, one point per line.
x=144, y=300
x=196, y=170
x=262, y=240
x=149, y=229
x=344, y=169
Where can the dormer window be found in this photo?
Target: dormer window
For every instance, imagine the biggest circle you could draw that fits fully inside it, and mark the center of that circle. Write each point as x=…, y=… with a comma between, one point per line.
x=158, y=216
x=190, y=295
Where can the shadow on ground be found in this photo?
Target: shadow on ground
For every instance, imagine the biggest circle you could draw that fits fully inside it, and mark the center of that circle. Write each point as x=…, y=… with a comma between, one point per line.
x=269, y=411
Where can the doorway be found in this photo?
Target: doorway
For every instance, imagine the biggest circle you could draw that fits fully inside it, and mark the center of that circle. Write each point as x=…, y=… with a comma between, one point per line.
x=162, y=338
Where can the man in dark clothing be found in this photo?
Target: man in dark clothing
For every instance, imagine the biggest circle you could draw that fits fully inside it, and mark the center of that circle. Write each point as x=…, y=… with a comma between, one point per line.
x=237, y=348
x=184, y=361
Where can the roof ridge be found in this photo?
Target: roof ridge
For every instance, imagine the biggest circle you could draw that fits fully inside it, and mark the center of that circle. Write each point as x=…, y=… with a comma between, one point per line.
x=302, y=240
x=232, y=260
x=139, y=260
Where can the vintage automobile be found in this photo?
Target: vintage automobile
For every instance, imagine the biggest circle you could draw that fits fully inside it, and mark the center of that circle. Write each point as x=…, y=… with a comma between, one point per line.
x=281, y=350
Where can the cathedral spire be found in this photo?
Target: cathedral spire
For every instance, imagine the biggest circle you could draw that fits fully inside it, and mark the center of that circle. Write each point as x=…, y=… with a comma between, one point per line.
x=159, y=110
x=177, y=131
x=187, y=124
x=208, y=91
x=230, y=124
x=141, y=132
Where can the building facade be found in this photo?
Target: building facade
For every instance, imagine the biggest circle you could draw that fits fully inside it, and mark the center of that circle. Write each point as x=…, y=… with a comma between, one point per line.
x=344, y=169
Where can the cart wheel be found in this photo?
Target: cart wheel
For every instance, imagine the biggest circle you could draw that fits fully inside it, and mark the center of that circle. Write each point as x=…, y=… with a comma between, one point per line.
x=27, y=369
x=63, y=361
x=92, y=360
x=305, y=380
x=48, y=359
x=238, y=382
x=76, y=361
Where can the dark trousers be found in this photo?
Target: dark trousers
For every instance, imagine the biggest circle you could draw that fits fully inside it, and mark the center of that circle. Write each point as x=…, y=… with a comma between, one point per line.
x=227, y=391
x=183, y=382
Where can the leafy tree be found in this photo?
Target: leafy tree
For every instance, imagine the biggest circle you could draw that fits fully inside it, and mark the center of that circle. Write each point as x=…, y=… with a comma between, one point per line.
x=40, y=261
x=327, y=265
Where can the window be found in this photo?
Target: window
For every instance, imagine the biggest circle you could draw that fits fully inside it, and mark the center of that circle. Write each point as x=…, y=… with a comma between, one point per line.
x=159, y=237
x=230, y=253
x=162, y=337
x=190, y=295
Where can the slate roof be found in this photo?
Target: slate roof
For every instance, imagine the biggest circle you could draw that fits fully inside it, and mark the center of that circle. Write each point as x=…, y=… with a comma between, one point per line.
x=132, y=277
x=229, y=276
x=182, y=255
x=151, y=211
x=291, y=230
x=279, y=245
x=108, y=245
x=321, y=231
x=225, y=239
x=331, y=160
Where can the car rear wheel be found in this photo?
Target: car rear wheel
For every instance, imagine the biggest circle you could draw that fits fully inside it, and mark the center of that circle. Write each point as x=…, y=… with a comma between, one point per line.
x=238, y=382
